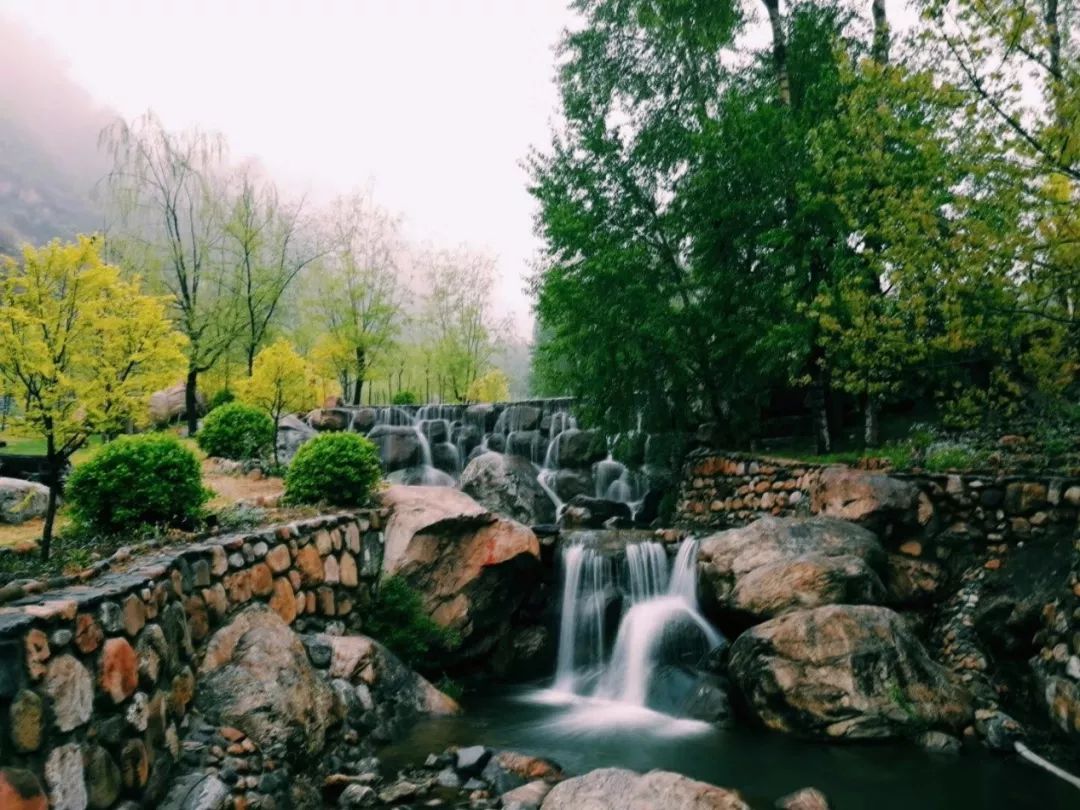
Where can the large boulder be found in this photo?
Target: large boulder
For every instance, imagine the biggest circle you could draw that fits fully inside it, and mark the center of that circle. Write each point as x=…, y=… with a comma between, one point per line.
x=580, y=448
x=399, y=446
x=845, y=671
x=21, y=500
x=570, y=483
x=170, y=405
x=520, y=417
x=508, y=485
x=776, y=565
x=620, y=789
x=472, y=568
x=292, y=432
x=330, y=419
x=257, y=677
x=872, y=499
x=584, y=512
x=377, y=682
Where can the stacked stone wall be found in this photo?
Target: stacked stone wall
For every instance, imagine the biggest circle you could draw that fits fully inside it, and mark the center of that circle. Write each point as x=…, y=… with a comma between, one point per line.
x=96, y=679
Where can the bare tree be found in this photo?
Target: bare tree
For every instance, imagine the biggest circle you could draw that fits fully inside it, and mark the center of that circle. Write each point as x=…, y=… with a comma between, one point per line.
x=166, y=195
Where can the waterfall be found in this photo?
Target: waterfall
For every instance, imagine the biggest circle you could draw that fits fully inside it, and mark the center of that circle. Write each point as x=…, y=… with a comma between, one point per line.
x=661, y=624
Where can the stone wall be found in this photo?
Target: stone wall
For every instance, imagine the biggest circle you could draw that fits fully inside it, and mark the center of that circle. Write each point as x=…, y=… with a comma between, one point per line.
x=96, y=679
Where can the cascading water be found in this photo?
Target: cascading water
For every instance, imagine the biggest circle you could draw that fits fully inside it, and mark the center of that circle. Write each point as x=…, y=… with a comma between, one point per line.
x=660, y=624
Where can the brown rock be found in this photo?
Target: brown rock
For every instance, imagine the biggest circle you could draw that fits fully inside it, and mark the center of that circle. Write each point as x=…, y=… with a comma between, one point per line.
x=118, y=670
x=134, y=615
x=805, y=799
x=279, y=559
x=102, y=777
x=26, y=720
x=197, y=618
x=134, y=764
x=88, y=633
x=238, y=587
x=310, y=564
x=620, y=789
x=262, y=580
x=21, y=790
x=183, y=690
x=910, y=581
x=326, y=600
x=913, y=548
x=349, y=574
x=868, y=498
x=283, y=601
x=37, y=653
x=217, y=601
x=71, y=692
x=1023, y=497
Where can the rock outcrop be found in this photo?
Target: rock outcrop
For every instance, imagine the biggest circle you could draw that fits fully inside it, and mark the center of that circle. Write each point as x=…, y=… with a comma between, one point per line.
x=292, y=433
x=399, y=446
x=775, y=565
x=472, y=568
x=508, y=485
x=256, y=677
x=871, y=499
x=21, y=500
x=844, y=671
x=620, y=789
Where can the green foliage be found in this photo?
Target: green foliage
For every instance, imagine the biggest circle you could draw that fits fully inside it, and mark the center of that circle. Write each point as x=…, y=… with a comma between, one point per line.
x=147, y=480
x=239, y=516
x=398, y=620
x=955, y=457
x=236, y=431
x=223, y=396
x=341, y=469
x=405, y=398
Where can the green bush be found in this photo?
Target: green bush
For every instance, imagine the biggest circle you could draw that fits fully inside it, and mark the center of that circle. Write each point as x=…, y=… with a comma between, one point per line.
x=222, y=397
x=397, y=619
x=236, y=431
x=341, y=469
x=137, y=481
x=405, y=398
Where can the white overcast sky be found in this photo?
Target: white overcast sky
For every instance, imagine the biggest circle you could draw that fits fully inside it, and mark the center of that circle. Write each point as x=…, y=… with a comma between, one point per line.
x=434, y=102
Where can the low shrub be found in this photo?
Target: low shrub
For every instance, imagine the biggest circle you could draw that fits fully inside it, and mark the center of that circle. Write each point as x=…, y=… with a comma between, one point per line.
x=340, y=469
x=397, y=619
x=137, y=481
x=236, y=431
x=405, y=398
x=221, y=397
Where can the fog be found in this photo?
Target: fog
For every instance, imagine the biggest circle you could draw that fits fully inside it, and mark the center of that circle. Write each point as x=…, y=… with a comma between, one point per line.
x=431, y=104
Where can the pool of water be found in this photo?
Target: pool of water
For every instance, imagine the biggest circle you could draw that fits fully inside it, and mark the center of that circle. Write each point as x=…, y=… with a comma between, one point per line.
x=582, y=734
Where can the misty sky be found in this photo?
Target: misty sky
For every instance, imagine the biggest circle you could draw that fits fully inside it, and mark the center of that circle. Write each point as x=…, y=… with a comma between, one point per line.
x=434, y=102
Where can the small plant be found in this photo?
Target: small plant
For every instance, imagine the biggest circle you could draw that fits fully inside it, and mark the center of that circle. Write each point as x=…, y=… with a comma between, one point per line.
x=236, y=431
x=138, y=481
x=398, y=620
x=240, y=516
x=340, y=469
x=405, y=398
x=451, y=688
x=221, y=397
x=953, y=457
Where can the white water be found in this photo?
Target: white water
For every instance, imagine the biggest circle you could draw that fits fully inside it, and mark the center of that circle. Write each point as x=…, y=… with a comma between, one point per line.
x=662, y=615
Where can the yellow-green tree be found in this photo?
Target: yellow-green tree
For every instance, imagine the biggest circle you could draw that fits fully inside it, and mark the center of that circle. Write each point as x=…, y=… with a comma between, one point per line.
x=490, y=387
x=83, y=348
x=280, y=383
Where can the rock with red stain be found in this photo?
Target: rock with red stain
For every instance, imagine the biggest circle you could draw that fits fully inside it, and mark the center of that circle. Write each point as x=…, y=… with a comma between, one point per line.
x=118, y=670
x=21, y=790
x=471, y=567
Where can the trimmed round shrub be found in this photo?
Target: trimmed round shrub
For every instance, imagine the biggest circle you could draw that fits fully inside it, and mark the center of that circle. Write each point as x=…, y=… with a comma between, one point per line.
x=222, y=396
x=236, y=431
x=405, y=398
x=340, y=469
x=135, y=481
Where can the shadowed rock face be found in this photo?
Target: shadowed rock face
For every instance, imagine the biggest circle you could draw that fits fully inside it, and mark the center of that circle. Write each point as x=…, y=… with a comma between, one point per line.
x=472, y=568
x=871, y=499
x=508, y=485
x=620, y=789
x=256, y=676
x=776, y=565
x=845, y=671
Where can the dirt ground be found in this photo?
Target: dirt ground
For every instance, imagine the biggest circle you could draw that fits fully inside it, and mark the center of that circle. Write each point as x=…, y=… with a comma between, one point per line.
x=228, y=489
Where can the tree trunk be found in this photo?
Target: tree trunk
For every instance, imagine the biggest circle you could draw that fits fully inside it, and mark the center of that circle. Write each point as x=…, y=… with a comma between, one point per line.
x=191, y=401
x=819, y=410
x=250, y=360
x=361, y=369
x=779, y=51
x=871, y=432
x=54, y=465
x=881, y=32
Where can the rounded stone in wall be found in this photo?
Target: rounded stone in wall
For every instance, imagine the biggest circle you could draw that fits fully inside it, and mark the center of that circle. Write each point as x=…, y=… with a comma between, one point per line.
x=64, y=778
x=69, y=687
x=21, y=790
x=26, y=718
x=102, y=777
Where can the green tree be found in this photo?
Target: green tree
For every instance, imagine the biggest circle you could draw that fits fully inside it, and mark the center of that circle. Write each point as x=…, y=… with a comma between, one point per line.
x=83, y=347
x=280, y=383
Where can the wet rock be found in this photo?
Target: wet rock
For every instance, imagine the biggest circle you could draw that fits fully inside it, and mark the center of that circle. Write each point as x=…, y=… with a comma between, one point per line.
x=775, y=565
x=472, y=568
x=805, y=799
x=256, y=676
x=872, y=499
x=585, y=512
x=399, y=446
x=520, y=417
x=398, y=792
x=620, y=789
x=527, y=797
x=844, y=672
x=508, y=485
x=937, y=742
x=997, y=729
x=708, y=701
x=580, y=449
x=356, y=796
x=470, y=761
x=570, y=483
x=448, y=778
x=21, y=500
